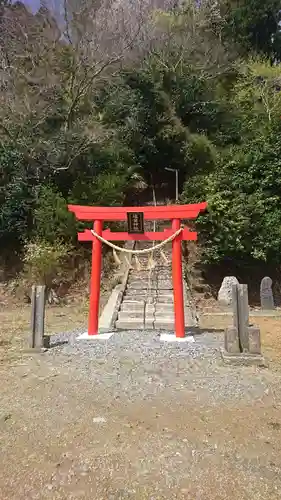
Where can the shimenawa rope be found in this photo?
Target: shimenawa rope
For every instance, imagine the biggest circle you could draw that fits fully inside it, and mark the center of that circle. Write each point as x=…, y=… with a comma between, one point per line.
x=137, y=252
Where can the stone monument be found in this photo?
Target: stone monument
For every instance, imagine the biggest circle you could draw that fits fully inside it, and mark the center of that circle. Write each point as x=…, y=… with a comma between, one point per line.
x=225, y=291
x=242, y=341
x=266, y=294
x=38, y=302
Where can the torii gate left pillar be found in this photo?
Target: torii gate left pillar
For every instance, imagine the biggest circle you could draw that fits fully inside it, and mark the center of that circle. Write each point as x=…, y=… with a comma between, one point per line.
x=175, y=213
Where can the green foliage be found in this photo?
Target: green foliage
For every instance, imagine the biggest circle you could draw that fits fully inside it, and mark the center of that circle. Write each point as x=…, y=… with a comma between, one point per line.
x=162, y=121
x=16, y=199
x=254, y=26
x=257, y=95
x=15, y=214
x=105, y=189
x=244, y=190
x=43, y=261
x=244, y=196
x=52, y=221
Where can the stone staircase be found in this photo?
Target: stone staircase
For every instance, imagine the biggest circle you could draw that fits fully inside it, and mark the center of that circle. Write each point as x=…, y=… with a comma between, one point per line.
x=148, y=299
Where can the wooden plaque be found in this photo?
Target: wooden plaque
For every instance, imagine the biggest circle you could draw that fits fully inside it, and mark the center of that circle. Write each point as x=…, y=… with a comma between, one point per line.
x=135, y=222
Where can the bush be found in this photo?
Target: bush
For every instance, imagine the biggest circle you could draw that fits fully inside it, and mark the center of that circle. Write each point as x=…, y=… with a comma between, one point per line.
x=243, y=221
x=44, y=261
x=16, y=199
x=52, y=220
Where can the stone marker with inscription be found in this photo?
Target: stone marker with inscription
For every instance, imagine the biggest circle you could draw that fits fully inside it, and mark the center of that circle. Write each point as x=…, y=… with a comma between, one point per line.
x=266, y=294
x=242, y=344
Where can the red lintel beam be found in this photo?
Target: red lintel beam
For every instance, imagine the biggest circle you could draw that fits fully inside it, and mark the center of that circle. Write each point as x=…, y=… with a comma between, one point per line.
x=150, y=213
x=186, y=235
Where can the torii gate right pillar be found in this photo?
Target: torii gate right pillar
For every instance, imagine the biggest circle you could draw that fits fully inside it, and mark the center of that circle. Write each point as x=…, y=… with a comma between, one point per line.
x=178, y=282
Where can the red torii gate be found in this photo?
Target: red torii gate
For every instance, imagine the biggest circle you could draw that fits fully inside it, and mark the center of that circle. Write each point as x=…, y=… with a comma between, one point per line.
x=176, y=213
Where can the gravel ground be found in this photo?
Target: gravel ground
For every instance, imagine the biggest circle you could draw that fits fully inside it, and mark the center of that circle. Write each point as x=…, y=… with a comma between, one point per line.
x=133, y=418
x=139, y=365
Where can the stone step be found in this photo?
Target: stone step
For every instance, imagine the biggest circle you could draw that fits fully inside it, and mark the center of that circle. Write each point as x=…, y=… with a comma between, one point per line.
x=165, y=299
x=143, y=295
x=157, y=308
x=135, y=324
x=161, y=288
x=153, y=281
x=149, y=325
x=156, y=270
x=148, y=300
x=151, y=312
x=139, y=282
x=145, y=291
x=129, y=324
x=150, y=286
x=160, y=299
x=146, y=284
x=161, y=314
x=149, y=309
x=134, y=306
x=164, y=316
x=149, y=292
x=140, y=289
x=160, y=307
x=146, y=280
x=140, y=297
x=125, y=315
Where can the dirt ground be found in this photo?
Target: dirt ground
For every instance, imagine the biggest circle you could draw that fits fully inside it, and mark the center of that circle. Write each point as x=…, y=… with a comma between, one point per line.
x=15, y=321
x=62, y=440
